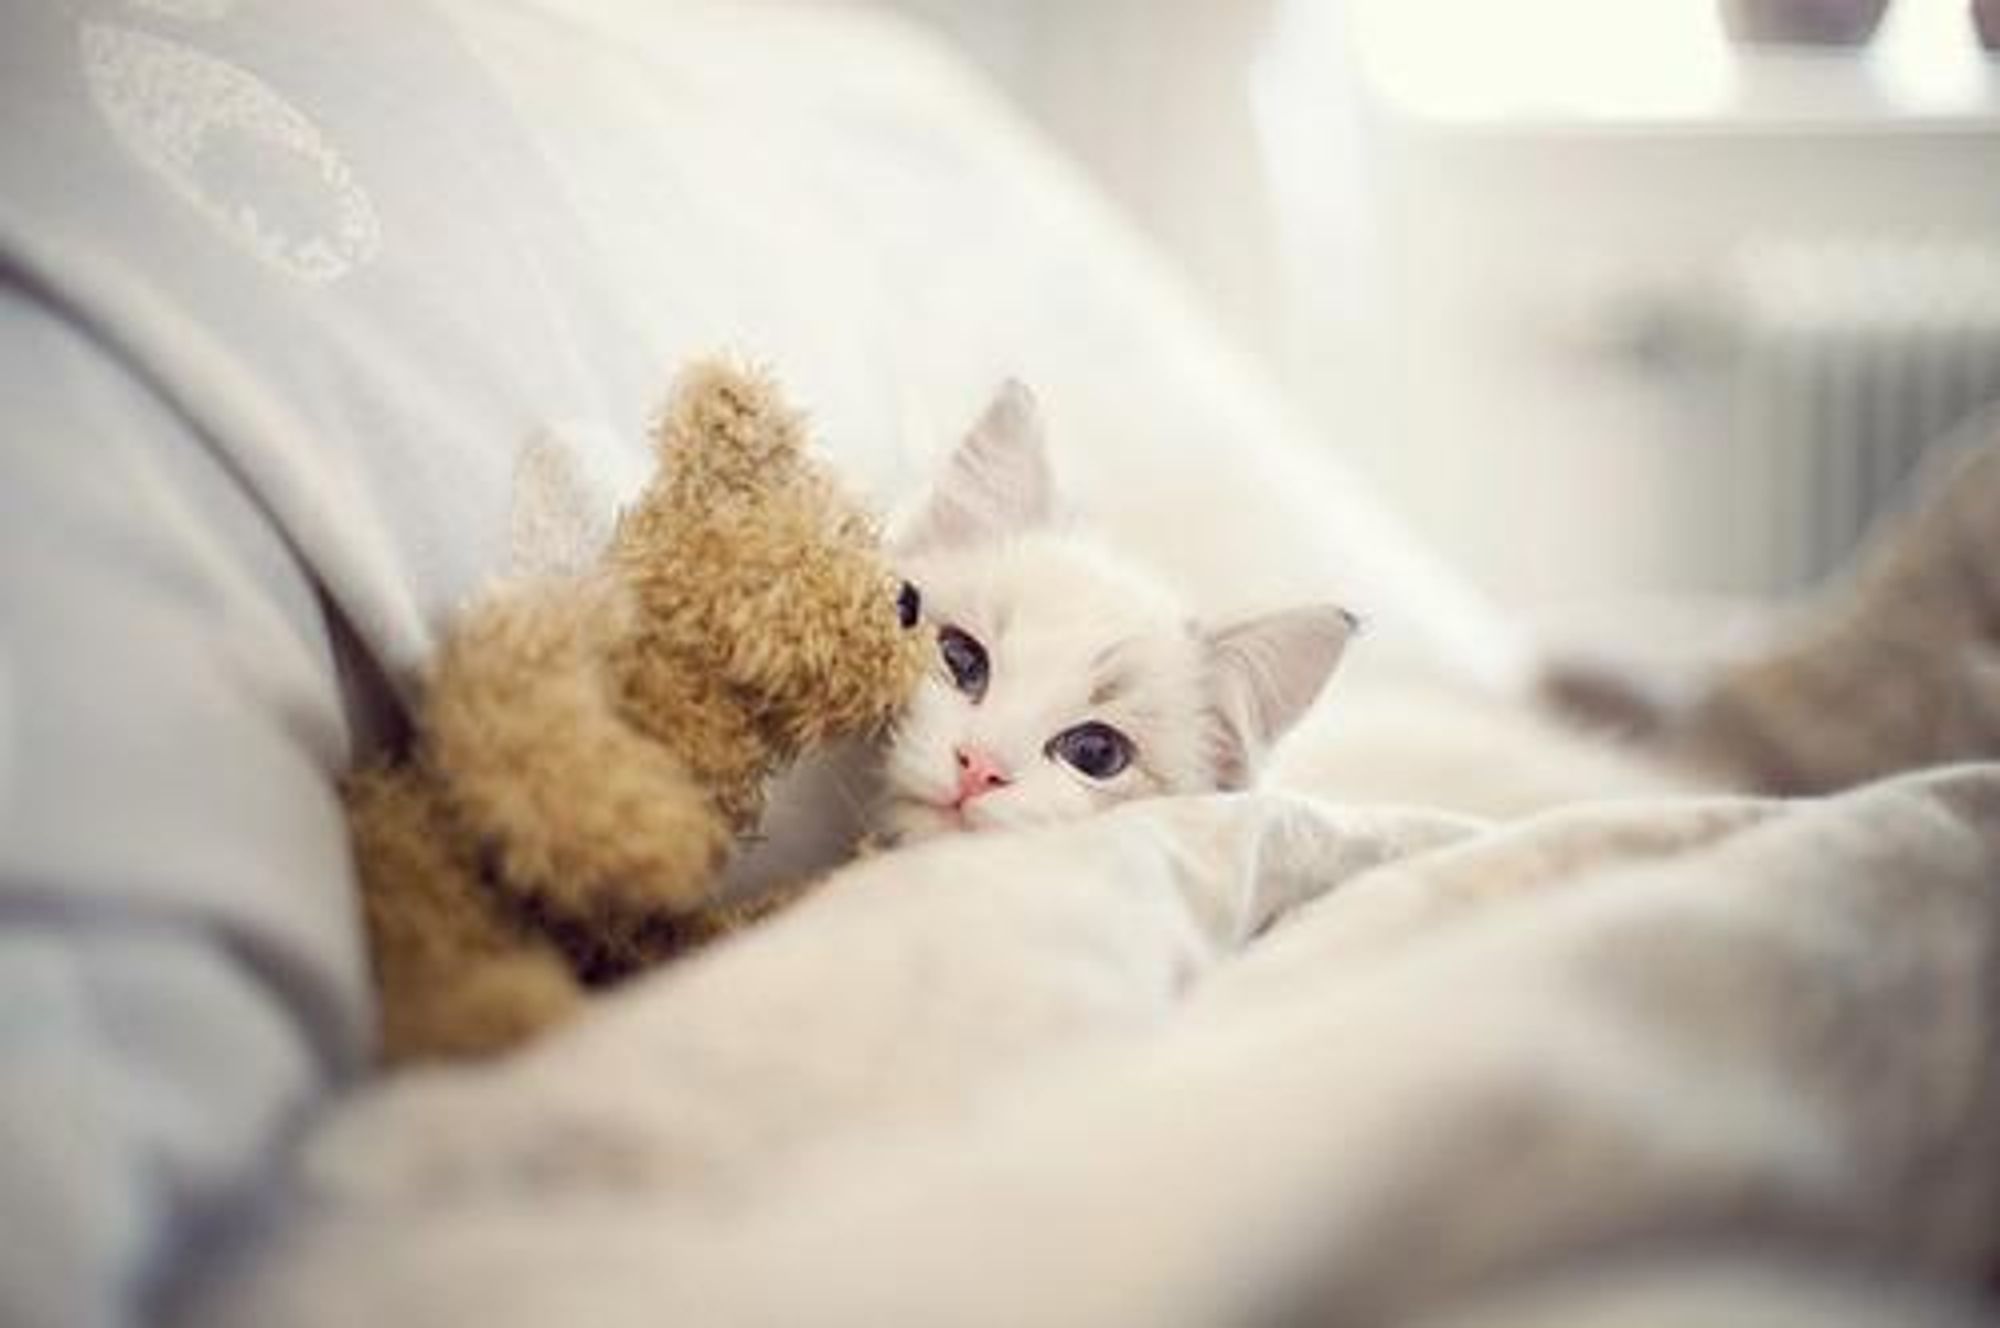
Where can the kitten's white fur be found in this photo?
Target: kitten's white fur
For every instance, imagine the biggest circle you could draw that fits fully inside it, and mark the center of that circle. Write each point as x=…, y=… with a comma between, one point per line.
x=1073, y=632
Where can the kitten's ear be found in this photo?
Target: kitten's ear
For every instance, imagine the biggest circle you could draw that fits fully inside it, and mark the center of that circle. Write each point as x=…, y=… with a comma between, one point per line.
x=997, y=480
x=1263, y=674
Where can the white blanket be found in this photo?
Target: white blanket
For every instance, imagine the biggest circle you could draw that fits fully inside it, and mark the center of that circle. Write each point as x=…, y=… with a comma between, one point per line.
x=1230, y=1060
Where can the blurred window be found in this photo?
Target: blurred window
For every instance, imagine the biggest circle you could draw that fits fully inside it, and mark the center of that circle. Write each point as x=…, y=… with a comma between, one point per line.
x=1669, y=61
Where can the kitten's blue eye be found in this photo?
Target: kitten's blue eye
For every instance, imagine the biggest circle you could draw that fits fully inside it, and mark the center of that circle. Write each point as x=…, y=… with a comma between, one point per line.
x=1094, y=749
x=965, y=658
x=909, y=604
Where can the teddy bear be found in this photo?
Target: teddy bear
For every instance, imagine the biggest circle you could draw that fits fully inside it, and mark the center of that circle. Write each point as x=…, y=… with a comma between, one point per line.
x=588, y=748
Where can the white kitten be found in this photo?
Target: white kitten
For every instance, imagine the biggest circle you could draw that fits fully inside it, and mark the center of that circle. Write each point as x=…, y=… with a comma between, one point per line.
x=1067, y=680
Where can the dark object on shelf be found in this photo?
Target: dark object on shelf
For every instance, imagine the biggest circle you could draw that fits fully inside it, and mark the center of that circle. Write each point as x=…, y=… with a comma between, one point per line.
x=1986, y=20
x=1813, y=22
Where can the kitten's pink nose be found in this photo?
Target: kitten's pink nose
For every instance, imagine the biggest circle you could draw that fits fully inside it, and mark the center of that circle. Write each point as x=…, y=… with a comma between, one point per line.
x=978, y=774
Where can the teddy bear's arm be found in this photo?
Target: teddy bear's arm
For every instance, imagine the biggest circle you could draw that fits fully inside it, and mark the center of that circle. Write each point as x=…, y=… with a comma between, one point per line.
x=578, y=815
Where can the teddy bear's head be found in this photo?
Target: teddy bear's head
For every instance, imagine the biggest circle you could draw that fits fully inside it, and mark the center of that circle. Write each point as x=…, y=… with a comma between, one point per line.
x=765, y=574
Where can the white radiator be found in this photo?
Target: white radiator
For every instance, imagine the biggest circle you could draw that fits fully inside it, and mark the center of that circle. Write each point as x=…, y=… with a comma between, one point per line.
x=1842, y=362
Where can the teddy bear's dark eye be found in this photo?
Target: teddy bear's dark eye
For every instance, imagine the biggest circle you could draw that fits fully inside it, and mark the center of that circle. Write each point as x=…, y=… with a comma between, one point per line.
x=965, y=658
x=909, y=604
x=1094, y=749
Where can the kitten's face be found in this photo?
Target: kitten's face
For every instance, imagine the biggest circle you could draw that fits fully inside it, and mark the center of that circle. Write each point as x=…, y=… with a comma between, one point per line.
x=1066, y=681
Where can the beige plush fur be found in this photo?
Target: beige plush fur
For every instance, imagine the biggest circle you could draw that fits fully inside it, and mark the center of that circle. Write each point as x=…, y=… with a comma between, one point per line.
x=588, y=748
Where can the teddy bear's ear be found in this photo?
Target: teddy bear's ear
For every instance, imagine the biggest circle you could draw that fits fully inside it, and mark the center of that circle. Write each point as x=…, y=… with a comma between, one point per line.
x=726, y=429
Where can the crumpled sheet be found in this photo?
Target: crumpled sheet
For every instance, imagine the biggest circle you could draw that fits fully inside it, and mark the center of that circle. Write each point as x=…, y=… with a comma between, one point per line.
x=1235, y=1060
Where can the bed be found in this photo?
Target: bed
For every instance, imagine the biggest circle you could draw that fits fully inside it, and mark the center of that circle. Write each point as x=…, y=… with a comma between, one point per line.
x=317, y=318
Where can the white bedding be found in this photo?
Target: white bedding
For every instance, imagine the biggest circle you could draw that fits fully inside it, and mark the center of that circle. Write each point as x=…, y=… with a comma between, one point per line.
x=314, y=317
x=1222, y=1061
